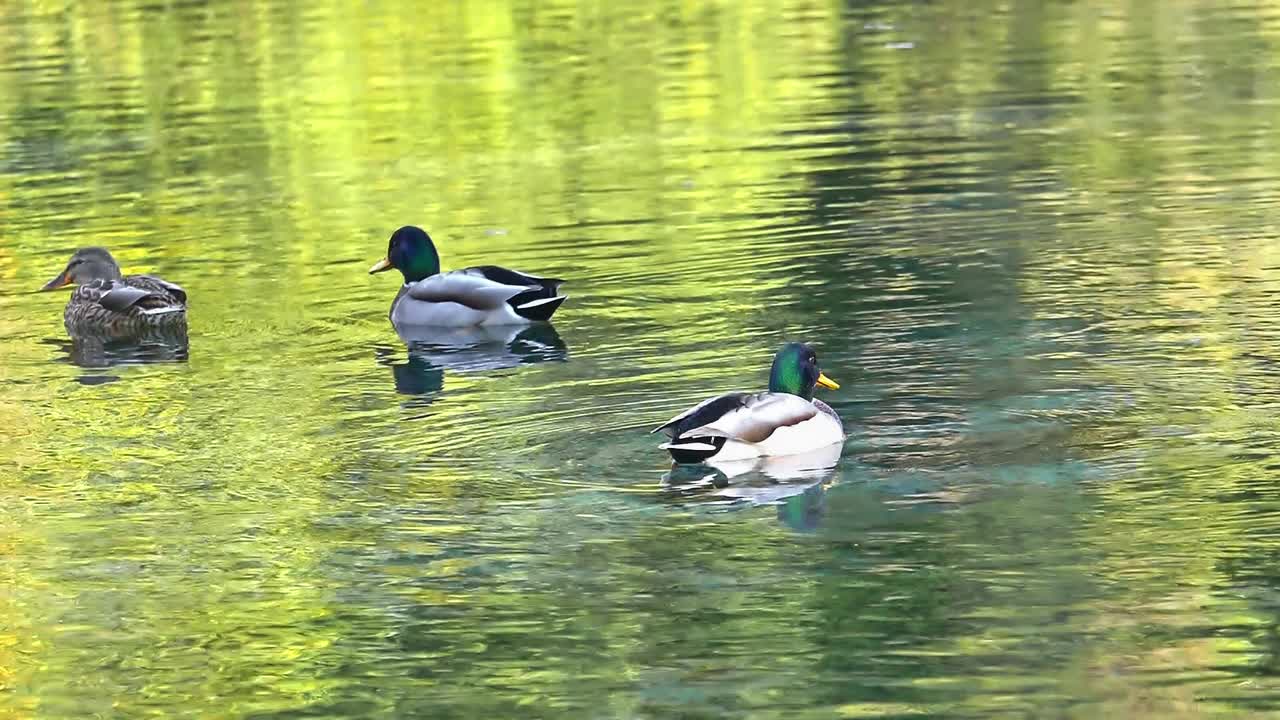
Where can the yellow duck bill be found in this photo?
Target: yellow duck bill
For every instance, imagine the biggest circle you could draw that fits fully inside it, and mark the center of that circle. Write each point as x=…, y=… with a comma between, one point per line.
x=381, y=266
x=827, y=382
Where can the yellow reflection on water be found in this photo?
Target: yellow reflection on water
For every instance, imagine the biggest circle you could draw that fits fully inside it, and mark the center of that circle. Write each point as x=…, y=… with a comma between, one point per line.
x=304, y=515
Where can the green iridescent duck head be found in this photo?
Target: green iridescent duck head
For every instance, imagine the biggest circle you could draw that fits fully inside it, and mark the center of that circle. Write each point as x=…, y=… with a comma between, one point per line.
x=795, y=371
x=410, y=251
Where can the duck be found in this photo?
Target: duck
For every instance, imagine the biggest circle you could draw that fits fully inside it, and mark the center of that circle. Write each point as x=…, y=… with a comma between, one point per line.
x=105, y=302
x=481, y=295
x=784, y=420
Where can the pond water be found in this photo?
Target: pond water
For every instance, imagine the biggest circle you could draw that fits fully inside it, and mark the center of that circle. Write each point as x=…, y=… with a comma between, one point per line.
x=1034, y=241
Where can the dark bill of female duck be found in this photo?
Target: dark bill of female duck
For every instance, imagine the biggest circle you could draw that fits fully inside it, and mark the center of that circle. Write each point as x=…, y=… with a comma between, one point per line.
x=106, y=300
x=785, y=420
x=481, y=295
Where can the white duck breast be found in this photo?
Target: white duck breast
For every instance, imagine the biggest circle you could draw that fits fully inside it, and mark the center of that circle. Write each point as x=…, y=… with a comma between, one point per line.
x=739, y=426
x=470, y=297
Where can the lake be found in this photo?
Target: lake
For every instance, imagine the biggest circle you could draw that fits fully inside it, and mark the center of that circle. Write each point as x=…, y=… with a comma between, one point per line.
x=1035, y=242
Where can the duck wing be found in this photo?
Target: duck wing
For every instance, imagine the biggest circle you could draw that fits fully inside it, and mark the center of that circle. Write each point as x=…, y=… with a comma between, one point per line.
x=159, y=285
x=745, y=417
x=489, y=287
x=704, y=413
x=538, y=302
x=507, y=276
x=465, y=288
x=144, y=293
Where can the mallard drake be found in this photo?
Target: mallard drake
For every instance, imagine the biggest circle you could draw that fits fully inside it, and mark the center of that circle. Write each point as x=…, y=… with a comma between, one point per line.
x=107, y=302
x=483, y=295
x=783, y=421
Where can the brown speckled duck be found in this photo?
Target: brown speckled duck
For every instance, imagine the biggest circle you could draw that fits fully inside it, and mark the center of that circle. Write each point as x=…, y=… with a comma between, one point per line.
x=107, y=302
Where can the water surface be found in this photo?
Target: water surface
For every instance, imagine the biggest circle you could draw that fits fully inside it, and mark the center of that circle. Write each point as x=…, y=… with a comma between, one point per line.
x=1035, y=242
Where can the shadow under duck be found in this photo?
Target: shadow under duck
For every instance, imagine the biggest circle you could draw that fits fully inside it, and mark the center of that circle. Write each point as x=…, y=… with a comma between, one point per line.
x=482, y=295
x=107, y=302
x=484, y=347
x=91, y=348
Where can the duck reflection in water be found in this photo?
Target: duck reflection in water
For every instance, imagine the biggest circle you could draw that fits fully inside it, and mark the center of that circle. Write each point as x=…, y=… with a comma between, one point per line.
x=104, y=349
x=795, y=484
x=432, y=350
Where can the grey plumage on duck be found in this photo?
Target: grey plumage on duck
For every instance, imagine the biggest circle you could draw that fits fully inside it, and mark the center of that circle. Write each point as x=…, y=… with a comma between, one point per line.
x=785, y=420
x=474, y=296
x=105, y=301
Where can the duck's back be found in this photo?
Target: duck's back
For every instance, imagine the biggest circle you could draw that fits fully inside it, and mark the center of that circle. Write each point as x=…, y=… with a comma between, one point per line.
x=740, y=425
x=130, y=303
x=483, y=295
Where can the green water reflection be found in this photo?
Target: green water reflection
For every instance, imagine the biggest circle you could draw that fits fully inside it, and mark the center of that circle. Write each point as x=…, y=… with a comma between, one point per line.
x=1034, y=241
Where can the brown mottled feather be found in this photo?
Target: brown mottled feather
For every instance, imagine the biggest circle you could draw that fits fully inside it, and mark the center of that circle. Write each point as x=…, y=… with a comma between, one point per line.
x=141, y=301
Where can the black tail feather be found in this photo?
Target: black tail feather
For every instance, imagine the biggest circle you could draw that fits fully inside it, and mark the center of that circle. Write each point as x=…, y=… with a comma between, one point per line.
x=689, y=455
x=542, y=311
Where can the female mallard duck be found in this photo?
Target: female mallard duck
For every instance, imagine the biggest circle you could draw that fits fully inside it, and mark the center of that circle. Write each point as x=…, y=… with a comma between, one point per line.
x=107, y=302
x=484, y=295
x=783, y=421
